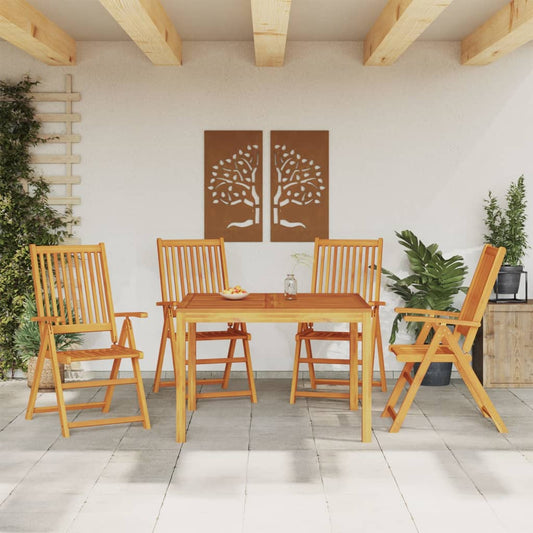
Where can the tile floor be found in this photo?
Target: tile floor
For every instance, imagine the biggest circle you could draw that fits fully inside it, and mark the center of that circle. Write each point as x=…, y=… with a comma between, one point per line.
x=271, y=467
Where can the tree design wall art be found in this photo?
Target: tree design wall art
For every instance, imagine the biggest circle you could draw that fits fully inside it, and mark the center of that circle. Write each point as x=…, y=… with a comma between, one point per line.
x=233, y=185
x=299, y=184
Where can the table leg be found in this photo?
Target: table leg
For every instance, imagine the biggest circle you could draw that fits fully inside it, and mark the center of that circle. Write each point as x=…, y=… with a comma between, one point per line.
x=178, y=355
x=191, y=389
x=366, y=400
x=354, y=378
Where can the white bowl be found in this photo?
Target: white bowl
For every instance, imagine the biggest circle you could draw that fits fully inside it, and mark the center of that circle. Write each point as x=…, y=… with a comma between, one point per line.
x=238, y=296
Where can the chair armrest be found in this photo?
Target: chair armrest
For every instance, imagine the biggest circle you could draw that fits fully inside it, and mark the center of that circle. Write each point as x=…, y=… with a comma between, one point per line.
x=376, y=304
x=431, y=312
x=137, y=314
x=169, y=304
x=47, y=319
x=441, y=321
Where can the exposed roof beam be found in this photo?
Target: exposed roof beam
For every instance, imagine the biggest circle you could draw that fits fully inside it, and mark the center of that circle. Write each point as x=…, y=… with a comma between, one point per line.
x=508, y=29
x=270, y=22
x=25, y=27
x=400, y=23
x=147, y=23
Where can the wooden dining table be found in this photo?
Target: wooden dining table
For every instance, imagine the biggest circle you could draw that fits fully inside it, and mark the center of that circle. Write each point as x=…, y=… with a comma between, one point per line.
x=273, y=307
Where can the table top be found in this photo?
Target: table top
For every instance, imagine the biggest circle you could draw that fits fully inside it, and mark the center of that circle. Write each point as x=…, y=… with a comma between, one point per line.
x=274, y=307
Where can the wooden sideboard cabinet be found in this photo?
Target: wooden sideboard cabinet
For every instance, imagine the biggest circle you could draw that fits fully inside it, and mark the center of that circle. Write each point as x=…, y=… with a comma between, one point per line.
x=502, y=355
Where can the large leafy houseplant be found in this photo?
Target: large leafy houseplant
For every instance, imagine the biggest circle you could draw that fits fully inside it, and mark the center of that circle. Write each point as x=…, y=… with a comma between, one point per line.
x=433, y=283
x=508, y=227
x=25, y=215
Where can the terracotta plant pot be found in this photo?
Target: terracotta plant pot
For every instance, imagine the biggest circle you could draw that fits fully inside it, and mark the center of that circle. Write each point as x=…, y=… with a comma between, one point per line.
x=47, y=378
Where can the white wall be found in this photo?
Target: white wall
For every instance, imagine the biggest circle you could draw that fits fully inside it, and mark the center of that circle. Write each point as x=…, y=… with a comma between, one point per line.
x=413, y=146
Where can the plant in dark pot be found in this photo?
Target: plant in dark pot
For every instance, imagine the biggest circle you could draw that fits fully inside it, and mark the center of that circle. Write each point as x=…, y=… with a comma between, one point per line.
x=433, y=283
x=508, y=228
x=28, y=341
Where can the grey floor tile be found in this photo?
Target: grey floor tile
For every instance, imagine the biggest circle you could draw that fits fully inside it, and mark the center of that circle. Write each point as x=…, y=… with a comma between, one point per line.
x=274, y=472
x=269, y=466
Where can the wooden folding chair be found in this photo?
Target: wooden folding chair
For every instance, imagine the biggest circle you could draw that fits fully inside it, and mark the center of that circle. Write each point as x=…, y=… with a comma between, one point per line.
x=199, y=266
x=73, y=294
x=341, y=266
x=447, y=329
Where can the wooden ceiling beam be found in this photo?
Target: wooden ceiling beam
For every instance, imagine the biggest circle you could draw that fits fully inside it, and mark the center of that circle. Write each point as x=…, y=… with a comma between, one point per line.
x=508, y=29
x=270, y=23
x=400, y=23
x=25, y=27
x=149, y=26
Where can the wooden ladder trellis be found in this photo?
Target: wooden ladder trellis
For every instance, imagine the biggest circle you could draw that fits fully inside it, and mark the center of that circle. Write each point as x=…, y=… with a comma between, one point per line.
x=65, y=137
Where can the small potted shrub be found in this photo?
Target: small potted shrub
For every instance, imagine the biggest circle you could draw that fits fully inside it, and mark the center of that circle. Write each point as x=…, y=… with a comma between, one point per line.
x=28, y=341
x=433, y=283
x=508, y=228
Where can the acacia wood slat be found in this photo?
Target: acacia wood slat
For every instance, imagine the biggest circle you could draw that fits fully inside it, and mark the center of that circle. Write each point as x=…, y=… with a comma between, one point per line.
x=105, y=421
x=69, y=407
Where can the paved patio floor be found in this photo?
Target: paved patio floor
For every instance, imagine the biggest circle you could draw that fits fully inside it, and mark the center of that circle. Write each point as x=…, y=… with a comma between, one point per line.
x=270, y=467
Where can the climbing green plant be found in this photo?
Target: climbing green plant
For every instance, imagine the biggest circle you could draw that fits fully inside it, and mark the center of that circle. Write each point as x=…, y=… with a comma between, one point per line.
x=25, y=215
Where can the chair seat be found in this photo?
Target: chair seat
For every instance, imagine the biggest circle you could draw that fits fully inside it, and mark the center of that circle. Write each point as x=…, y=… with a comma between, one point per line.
x=413, y=353
x=114, y=352
x=219, y=335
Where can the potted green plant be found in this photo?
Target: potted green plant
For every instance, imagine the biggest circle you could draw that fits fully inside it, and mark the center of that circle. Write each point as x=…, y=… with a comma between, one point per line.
x=508, y=228
x=433, y=283
x=28, y=341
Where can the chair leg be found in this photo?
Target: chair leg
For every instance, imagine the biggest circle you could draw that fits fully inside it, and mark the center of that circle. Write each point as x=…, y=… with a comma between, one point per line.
x=480, y=395
x=410, y=396
x=249, y=370
x=354, y=369
x=295, y=370
x=227, y=368
x=161, y=356
x=405, y=377
x=36, y=380
x=381, y=361
x=111, y=388
x=140, y=392
x=191, y=375
x=309, y=353
x=61, y=407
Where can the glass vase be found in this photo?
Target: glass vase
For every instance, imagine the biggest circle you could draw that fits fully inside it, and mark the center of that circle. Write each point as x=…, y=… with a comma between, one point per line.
x=290, y=287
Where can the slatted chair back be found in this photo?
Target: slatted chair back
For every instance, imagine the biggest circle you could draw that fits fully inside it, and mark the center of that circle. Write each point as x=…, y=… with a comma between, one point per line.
x=72, y=282
x=348, y=266
x=479, y=292
x=191, y=265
